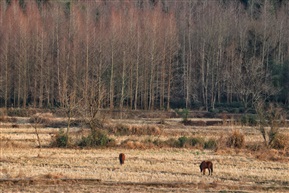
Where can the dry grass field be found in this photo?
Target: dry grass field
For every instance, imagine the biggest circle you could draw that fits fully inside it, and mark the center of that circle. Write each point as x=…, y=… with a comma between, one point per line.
x=26, y=168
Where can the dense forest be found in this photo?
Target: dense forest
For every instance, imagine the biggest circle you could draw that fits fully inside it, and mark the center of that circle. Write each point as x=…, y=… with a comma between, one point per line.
x=143, y=54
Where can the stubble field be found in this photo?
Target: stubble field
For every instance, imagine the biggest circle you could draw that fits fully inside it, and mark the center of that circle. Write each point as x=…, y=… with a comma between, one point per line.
x=26, y=168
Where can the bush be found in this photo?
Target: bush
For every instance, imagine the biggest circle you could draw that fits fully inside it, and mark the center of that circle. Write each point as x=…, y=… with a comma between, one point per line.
x=96, y=138
x=61, y=140
x=273, y=117
x=193, y=142
x=235, y=139
x=210, y=144
x=182, y=141
x=197, y=141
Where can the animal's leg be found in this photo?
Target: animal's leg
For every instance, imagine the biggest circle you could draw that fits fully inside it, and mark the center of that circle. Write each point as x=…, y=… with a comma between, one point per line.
x=211, y=171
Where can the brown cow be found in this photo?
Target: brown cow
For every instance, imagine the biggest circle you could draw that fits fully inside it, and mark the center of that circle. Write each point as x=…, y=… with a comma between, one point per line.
x=121, y=158
x=206, y=164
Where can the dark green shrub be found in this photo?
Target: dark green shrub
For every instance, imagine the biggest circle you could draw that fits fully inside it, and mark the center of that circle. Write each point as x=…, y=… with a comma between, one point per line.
x=96, y=138
x=210, y=144
x=182, y=141
x=61, y=140
x=197, y=141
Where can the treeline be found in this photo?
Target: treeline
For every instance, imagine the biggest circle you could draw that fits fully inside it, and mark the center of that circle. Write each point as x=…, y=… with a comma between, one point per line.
x=143, y=54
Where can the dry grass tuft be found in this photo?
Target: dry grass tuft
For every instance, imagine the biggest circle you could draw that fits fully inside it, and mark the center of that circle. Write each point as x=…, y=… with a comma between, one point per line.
x=280, y=141
x=236, y=139
x=254, y=146
x=133, y=144
x=267, y=154
x=226, y=151
x=9, y=143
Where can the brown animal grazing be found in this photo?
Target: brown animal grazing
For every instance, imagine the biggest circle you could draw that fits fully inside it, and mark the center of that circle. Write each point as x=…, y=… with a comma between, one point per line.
x=121, y=158
x=206, y=164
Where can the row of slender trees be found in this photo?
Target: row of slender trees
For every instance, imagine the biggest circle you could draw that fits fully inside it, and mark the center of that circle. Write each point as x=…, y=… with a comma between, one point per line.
x=143, y=54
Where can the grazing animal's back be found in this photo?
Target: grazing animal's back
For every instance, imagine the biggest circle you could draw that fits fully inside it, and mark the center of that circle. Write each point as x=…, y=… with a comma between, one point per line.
x=121, y=158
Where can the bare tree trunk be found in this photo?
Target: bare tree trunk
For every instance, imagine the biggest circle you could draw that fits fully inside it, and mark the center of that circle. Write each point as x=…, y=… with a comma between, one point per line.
x=41, y=71
x=137, y=69
x=123, y=81
x=203, y=82
x=111, y=87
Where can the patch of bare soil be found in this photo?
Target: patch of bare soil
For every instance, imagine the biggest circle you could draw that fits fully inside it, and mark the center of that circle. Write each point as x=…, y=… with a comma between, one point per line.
x=95, y=185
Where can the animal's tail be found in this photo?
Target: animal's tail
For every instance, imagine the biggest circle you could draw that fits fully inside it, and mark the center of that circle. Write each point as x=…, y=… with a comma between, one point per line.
x=212, y=168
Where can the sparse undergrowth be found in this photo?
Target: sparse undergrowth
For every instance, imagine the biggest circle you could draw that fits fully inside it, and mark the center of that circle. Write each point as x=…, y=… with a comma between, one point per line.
x=134, y=129
x=107, y=138
x=97, y=138
x=142, y=135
